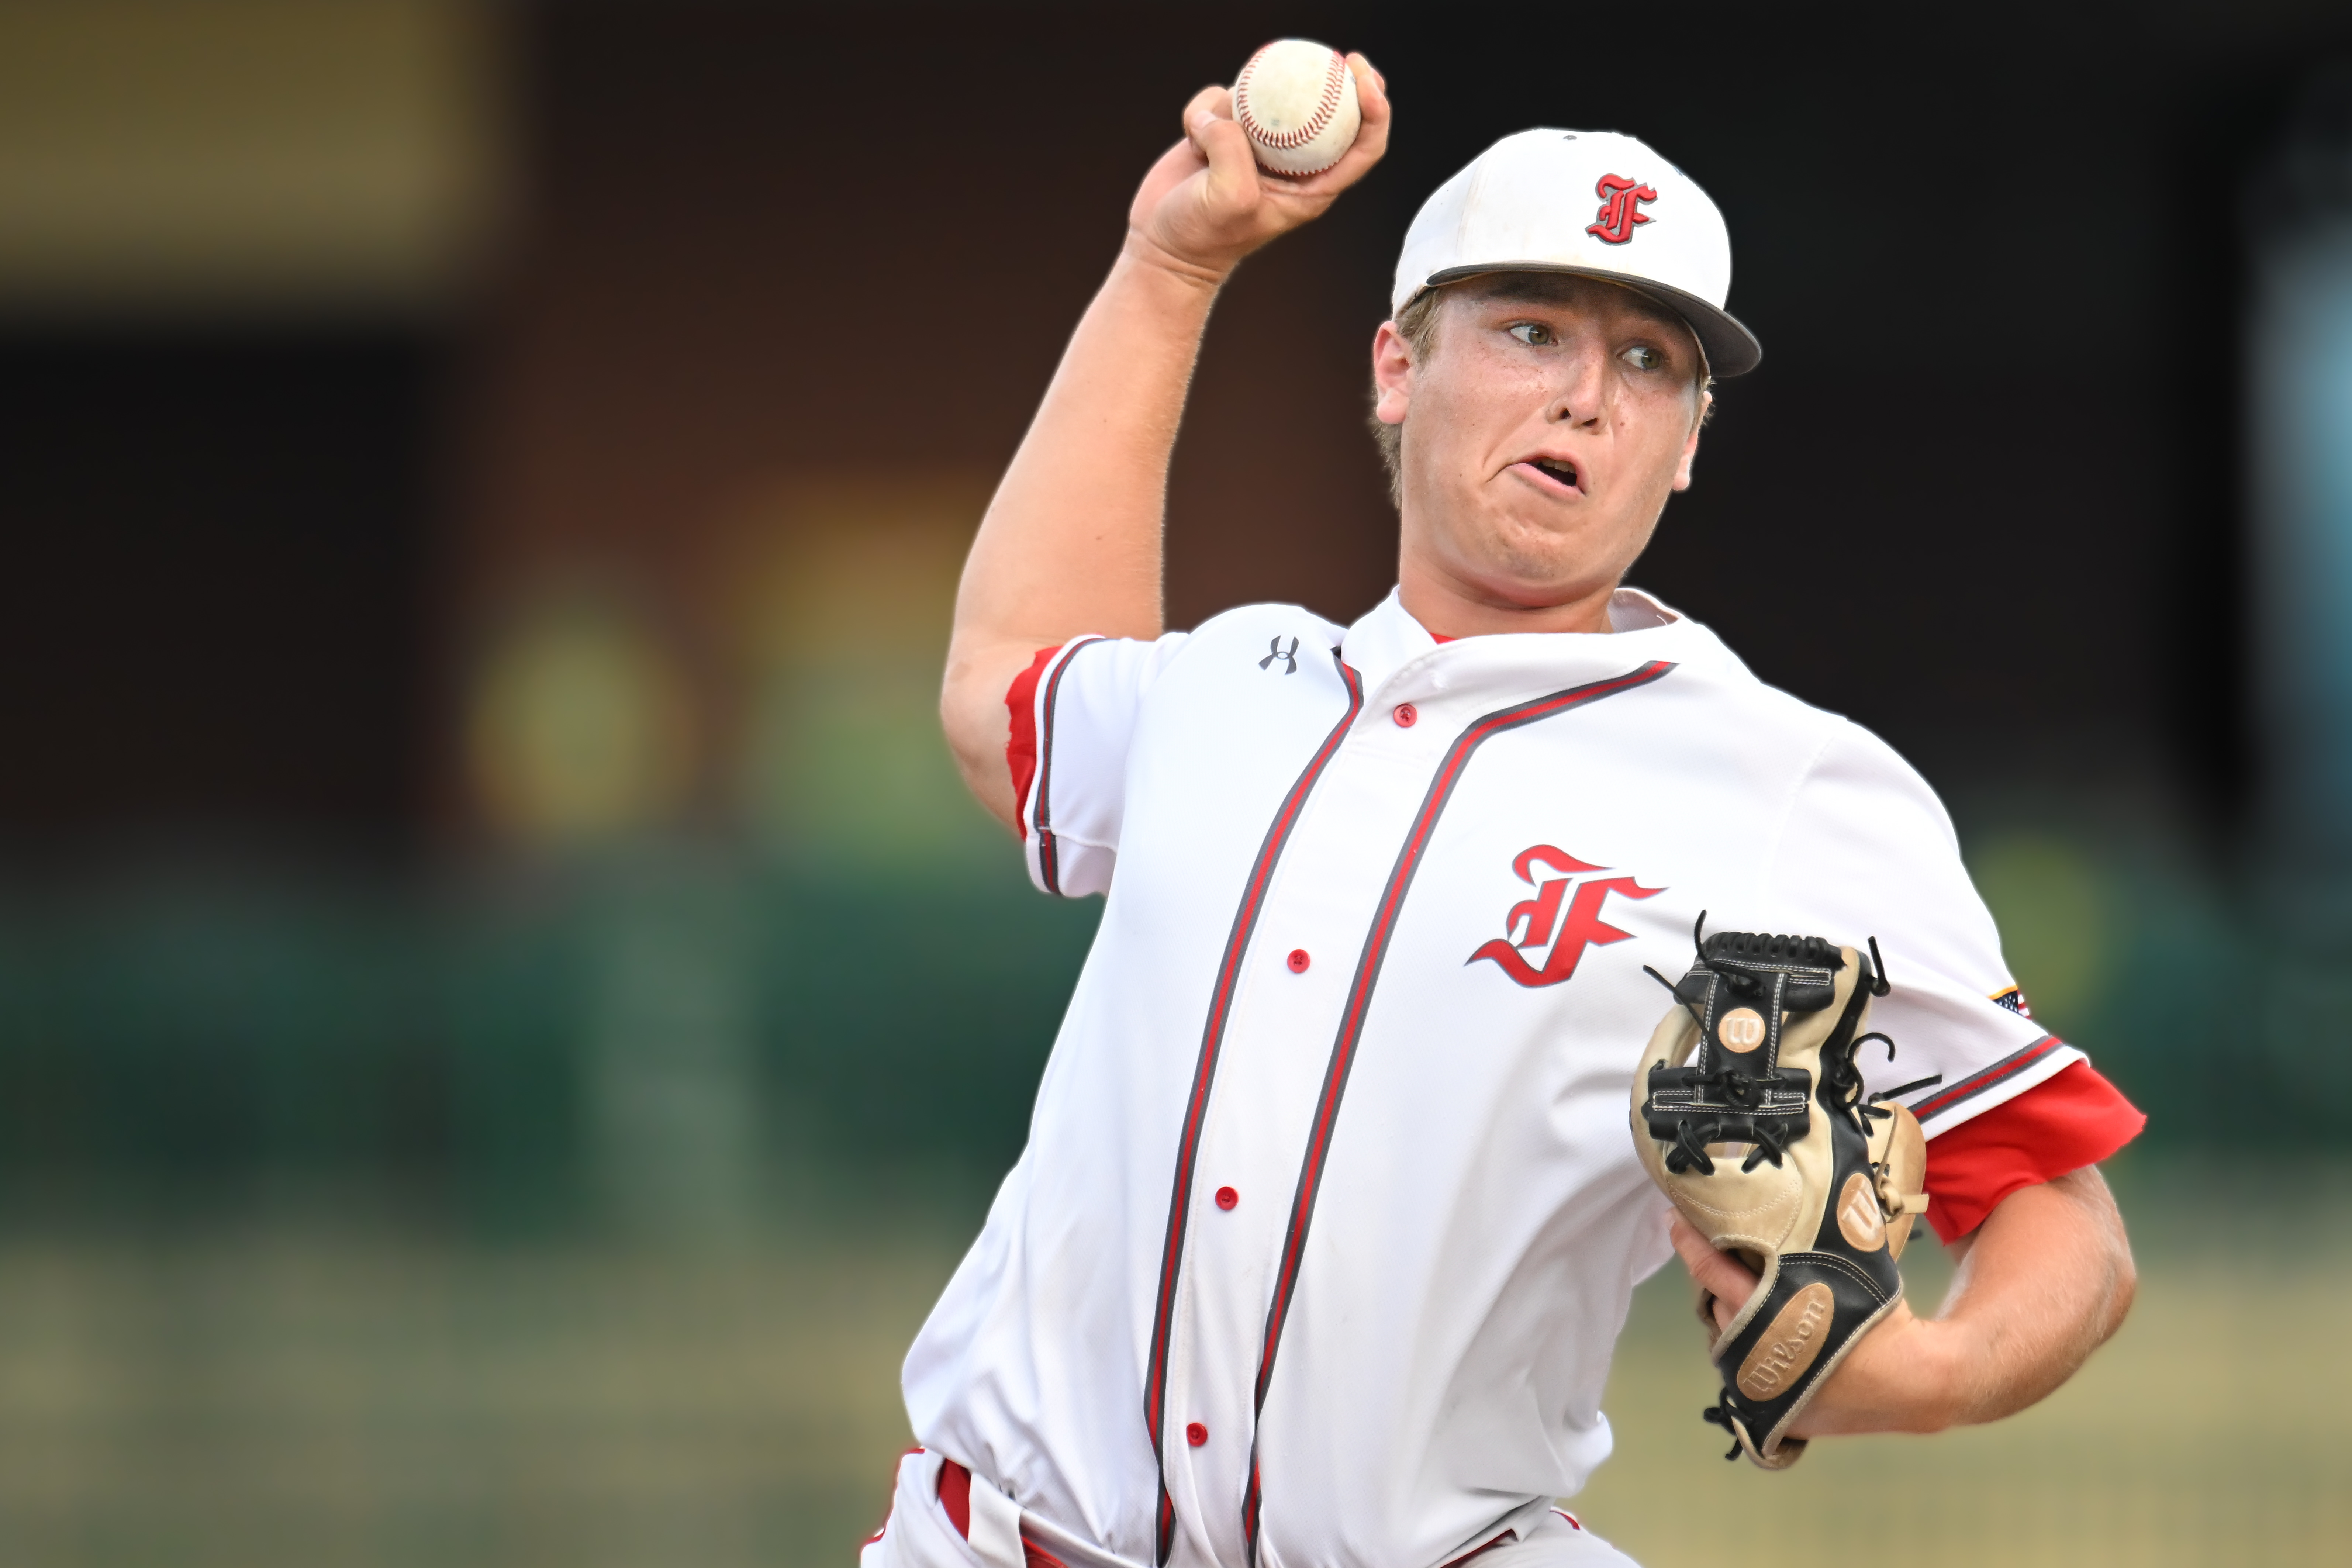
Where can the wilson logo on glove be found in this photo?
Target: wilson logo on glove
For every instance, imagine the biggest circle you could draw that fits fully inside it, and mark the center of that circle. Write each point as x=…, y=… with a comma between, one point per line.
x=1790, y=1346
x=1581, y=927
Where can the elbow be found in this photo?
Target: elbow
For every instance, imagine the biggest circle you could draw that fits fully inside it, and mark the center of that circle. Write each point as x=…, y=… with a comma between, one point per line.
x=2123, y=1272
x=2123, y=1286
x=974, y=719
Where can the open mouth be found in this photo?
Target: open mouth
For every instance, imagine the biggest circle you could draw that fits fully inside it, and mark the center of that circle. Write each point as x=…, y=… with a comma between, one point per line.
x=1560, y=471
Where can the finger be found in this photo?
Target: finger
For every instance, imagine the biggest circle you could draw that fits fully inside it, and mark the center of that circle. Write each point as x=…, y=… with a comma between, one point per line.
x=1211, y=103
x=1372, y=105
x=1371, y=89
x=1176, y=166
x=1233, y=164
x=1729, y=1287
x=1181, y=159
x=1372, y=135
x=1718, y=1273
x=1689, y=1245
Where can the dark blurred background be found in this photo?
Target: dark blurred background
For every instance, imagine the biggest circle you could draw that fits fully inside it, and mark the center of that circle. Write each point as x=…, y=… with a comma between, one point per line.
x=506, y=1015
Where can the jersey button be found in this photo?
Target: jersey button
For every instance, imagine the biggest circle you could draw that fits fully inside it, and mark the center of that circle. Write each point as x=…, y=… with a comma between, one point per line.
x=1196, y=1434
x=1406, y=715
x=1227, y=1198
x=1299, y=961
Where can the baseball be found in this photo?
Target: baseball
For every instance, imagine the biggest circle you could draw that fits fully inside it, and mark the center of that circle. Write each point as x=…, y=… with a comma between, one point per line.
x=1296, y=101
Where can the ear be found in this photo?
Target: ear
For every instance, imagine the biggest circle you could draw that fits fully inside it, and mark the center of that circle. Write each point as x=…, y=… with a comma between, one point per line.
x=1690, y=443
x=1391, y=374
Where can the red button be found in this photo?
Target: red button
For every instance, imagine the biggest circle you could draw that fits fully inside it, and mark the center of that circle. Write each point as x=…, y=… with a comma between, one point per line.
x=1299, y=961
x=1405, y=715
x=1227, y=1198
x=1196, y=1434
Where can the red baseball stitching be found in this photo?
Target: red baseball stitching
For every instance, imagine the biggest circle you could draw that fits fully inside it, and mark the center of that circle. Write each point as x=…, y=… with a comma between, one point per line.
x=1321, y=120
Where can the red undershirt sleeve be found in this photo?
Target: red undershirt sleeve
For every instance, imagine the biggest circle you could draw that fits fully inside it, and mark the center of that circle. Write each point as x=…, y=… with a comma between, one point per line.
x=2075, y=1119
x=955, y=1481
x=1021, y=744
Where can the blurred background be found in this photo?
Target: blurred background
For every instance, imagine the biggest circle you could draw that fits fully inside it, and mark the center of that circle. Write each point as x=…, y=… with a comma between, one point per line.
x=506, y=1016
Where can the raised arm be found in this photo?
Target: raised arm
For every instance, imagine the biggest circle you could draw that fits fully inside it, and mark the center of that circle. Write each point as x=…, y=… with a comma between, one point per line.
x=1072, y=541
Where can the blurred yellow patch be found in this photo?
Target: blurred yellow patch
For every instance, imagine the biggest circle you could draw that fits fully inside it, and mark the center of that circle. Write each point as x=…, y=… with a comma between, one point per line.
x=254, y=155
x=839, y=595
x=579, y=729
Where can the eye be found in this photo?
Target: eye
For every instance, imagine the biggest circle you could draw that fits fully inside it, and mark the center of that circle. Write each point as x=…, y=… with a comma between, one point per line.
x=1642, y=356
x=1535, y=334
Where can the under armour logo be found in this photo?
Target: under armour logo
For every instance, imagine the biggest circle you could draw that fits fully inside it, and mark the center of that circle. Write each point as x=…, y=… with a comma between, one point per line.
x=1275, y=651
x=1581, y=927
x=1619, y=214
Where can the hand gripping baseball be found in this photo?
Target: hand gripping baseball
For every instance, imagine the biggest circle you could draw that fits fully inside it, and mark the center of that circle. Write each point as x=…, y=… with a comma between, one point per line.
x=1750, y=1112
x=1206, y=203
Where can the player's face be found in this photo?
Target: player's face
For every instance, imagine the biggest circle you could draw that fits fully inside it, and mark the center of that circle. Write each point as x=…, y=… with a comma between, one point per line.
x=1544, y=431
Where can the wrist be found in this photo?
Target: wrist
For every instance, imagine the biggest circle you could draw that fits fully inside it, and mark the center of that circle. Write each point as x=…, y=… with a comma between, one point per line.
x=1147, y=257
x=1908, y=1374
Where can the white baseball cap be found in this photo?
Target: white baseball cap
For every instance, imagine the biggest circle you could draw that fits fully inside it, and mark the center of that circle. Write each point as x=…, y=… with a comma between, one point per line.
x=1592, y=203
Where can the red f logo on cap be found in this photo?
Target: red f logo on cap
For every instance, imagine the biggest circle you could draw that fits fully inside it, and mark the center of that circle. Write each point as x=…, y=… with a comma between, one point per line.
x=1615, y=223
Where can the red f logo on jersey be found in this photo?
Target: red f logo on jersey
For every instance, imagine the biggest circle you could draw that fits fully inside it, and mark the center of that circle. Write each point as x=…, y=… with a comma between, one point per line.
x=1619, y=214
x=1581, y=927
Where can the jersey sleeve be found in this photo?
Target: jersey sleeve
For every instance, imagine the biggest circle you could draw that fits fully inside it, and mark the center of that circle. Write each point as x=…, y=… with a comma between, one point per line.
x=1073, y=713
x=2075, y=1119
x=1867, y=851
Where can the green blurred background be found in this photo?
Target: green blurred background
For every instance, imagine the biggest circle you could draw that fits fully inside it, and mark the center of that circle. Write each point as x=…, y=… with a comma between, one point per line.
x=507, y=1017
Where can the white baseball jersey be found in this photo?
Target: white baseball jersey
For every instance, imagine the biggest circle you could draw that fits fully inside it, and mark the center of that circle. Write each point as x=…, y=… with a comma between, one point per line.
x=1330, y=1213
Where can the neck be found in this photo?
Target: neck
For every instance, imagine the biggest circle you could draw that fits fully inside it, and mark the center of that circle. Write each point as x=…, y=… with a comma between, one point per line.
x=1450, y=607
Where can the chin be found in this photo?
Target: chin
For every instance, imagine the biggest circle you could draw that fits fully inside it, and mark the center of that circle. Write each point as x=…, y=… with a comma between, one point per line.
x=1523, y=559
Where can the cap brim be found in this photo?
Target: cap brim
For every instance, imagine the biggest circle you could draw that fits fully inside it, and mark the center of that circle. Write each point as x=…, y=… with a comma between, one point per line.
x=1731, y=348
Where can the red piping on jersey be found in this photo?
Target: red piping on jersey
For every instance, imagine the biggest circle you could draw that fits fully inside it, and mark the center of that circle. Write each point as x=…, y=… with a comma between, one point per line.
x=1508, y=1538
x=1212, y=1035
x=1049, y=864
x=1975, y=1084
x=1360, y=996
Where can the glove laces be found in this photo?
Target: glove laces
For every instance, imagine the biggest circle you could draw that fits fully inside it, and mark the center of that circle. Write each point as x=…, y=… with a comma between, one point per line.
x=1724, y=1414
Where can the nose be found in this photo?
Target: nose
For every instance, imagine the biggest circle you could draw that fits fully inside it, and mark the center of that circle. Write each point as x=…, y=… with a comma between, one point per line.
x=1586, y=392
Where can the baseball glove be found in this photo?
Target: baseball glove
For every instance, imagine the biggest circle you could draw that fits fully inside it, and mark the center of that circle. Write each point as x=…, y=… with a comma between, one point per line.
x=1750, y=1114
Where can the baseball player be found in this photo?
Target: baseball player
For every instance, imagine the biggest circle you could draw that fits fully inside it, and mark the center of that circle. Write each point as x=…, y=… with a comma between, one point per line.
x=1329, y=1213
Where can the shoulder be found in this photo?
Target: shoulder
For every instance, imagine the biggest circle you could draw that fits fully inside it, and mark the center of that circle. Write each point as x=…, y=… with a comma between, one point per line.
x=1709, y=672
x=1246, y=640
x=1731, y=694
x=1835, y=744
x=1260, y=623
x=1836, y=763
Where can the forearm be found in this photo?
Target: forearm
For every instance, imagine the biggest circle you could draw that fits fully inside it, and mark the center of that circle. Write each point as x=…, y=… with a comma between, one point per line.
x=2043, y=1283
x=1072, y=542
x=2046, y=1280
